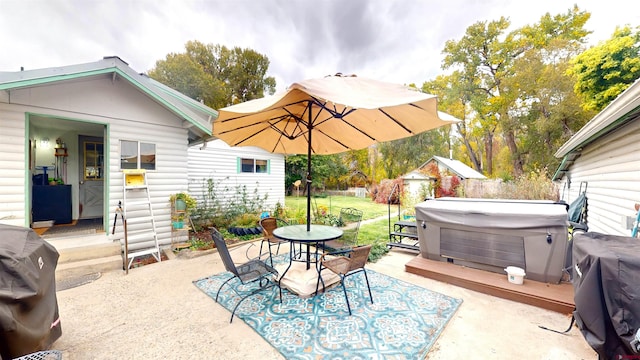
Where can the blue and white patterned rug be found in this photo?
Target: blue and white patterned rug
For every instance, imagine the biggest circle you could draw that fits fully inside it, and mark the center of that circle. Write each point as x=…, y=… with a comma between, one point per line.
x=403, y=322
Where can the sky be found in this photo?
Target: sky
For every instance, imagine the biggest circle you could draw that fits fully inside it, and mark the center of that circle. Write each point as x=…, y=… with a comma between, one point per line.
x=399, y=41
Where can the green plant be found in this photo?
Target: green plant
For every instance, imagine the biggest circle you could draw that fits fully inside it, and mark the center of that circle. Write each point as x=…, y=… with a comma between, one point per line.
x=190, y=202
x=378, y=250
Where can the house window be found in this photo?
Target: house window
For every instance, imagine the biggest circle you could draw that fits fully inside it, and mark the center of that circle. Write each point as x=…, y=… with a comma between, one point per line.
x=253, y=166
x=137, y=155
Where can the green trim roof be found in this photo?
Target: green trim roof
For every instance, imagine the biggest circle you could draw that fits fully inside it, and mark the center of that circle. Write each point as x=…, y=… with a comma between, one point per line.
x=184, y=107
x=622, y=110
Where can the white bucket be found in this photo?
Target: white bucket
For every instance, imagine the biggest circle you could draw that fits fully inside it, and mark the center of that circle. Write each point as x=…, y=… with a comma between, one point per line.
x=515, y=275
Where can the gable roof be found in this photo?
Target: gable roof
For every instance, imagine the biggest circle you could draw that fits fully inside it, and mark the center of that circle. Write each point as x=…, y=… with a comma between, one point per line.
x=622, y=110
x=457, y=167
x=198, y=115
x=415, y=175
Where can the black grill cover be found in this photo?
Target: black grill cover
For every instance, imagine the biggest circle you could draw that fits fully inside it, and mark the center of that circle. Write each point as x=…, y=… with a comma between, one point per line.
x=606, y=286
x=29, y=320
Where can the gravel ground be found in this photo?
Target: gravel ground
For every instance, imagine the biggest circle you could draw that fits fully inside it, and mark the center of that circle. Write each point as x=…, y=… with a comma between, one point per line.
x=155, y=312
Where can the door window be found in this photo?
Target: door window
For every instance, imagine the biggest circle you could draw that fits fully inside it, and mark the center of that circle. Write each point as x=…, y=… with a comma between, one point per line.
x=93, y=160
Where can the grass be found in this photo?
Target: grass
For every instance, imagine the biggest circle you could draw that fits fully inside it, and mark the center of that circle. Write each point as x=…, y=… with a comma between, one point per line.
x=375, y=233
x=370, y=210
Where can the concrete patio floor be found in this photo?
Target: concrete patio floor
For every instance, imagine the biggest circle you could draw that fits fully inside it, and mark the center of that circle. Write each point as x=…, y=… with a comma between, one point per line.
x=155, y=312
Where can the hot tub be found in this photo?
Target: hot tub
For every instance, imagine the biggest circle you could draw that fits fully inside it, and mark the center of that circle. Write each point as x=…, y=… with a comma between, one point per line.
x=494, y=234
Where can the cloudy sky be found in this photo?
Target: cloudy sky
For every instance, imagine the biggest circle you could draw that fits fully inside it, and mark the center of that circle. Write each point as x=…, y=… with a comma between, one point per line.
x=397, y=41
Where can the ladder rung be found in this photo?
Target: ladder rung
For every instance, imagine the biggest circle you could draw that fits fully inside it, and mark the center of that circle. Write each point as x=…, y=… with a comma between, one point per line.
x=135, y=253
x=140, y=236
x=135, y=187
x=130, y=203
x=139, y=220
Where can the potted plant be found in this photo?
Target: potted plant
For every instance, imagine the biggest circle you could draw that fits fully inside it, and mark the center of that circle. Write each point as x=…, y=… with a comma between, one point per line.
x=182, y=201
x=182, y=205
x=177, y=221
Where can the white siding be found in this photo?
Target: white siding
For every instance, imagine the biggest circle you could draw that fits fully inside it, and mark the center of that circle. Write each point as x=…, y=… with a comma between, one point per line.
x=611, y=167
x=12, y=166
x=219, y=162
x=129, y=115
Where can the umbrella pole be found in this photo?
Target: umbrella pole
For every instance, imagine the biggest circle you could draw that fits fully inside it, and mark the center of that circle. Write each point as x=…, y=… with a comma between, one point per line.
x=309, y=175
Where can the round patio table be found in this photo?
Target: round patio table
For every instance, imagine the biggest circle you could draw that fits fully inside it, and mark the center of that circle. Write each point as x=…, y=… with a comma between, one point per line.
x=299, y=234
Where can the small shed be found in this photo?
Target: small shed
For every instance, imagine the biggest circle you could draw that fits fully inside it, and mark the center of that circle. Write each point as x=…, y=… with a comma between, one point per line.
x=417, y=183
x=604, y=156
x=454, y=167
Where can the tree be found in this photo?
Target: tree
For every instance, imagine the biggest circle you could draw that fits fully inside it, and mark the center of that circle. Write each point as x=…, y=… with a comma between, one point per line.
x=403, y=155
x=604, y=71
x=215, y=74
x=496, y=80
x=454, y=98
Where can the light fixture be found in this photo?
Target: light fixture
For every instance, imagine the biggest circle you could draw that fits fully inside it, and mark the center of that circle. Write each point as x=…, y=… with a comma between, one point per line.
x=44, y=143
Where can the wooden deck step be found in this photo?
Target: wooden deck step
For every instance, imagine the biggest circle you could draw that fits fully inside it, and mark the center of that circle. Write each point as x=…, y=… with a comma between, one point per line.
x=555, y=297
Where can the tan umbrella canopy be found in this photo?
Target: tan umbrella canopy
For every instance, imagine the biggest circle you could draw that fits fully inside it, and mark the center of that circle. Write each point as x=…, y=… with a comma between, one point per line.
x=328, y=116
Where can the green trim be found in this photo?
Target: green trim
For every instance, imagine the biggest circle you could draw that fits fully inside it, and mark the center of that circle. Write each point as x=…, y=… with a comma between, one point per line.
x=106, y=182
x=106, y=143
x=269, y=166
x=27, y=176
x=561, y=169
x=238, y=165
x=54, y=78
x=147, y=91
x=115, y=69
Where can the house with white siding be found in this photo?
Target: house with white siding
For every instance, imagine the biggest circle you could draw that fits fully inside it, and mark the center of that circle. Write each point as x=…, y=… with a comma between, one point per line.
x=84, y=124
x=232, y=169
x=604, y=157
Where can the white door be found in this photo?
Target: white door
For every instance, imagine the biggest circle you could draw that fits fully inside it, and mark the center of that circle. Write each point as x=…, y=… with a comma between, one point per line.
x=91, y=190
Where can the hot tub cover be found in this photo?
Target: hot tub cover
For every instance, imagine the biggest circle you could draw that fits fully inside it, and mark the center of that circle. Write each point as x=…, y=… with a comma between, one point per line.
x=606, y=291
x=493, y=213
x=29, y=320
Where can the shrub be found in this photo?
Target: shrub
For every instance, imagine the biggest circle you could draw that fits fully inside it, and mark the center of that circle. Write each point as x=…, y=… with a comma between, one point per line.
x=382, y=192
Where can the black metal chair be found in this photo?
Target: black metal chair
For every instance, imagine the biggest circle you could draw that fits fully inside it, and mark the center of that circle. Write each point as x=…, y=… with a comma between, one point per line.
x=252, y=271
x=345, y=266
x=350, y=218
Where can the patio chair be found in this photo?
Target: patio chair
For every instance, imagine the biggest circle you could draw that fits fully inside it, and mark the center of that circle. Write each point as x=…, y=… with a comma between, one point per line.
x=253, y=271
x=350, y=218
x=269, y=224
x=345, y=266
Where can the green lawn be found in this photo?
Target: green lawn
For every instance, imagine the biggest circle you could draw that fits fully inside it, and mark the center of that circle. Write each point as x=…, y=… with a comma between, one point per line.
x=370, y=210
x=376, y=232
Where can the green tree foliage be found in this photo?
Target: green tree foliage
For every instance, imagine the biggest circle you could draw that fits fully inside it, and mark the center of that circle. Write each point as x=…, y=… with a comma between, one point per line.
x=403, y=155
x=604, y=71
x=509, y=98
x=215, y=74
x=326, y=170
x=453, y=98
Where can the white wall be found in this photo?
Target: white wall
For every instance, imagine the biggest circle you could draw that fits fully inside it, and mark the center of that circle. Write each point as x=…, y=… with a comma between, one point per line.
x=13, y=163
x=611, y=167
x=218, y=161
x=130, y=115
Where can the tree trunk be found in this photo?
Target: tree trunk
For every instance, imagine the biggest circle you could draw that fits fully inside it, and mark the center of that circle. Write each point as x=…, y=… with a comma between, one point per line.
x=516, y=157
x=488, y=150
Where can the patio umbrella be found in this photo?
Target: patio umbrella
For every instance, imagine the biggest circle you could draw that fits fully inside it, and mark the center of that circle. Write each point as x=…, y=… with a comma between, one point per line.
x=328, y=116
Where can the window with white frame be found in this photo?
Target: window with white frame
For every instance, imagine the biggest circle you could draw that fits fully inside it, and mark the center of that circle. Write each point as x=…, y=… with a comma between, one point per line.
x=248, y=165
x=137, y=155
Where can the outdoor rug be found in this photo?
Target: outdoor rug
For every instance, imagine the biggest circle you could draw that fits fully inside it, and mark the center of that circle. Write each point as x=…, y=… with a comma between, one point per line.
x=403, y=322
